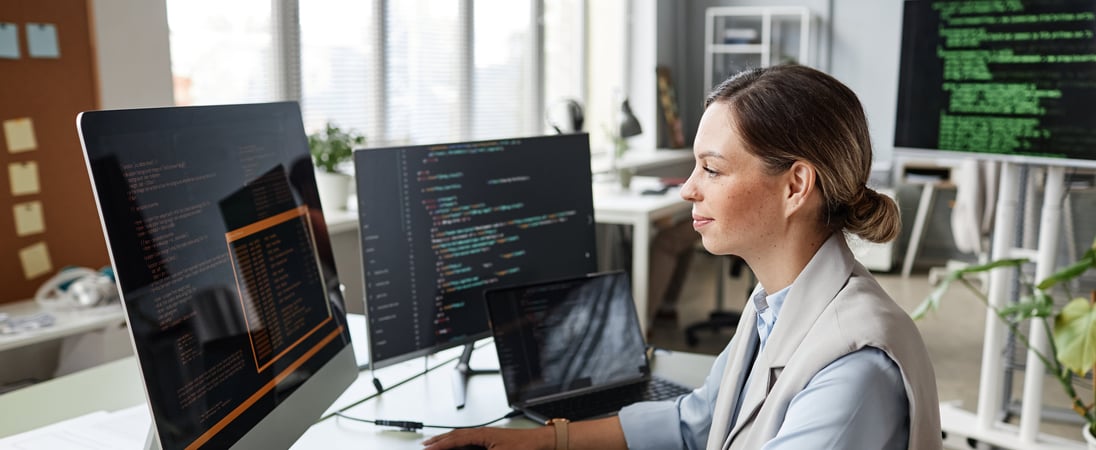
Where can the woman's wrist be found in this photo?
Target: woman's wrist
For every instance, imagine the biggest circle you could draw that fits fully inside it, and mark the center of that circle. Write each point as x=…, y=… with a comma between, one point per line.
x=560, y=431
x=546, y=438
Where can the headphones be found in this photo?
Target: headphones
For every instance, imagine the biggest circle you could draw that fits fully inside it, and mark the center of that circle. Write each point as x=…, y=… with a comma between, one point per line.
x=565, y=116
x=78, y=287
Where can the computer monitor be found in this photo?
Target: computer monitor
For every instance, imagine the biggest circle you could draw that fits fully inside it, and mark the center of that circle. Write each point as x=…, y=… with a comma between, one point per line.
x=224, y=267
x=1003, y=80
x=441, y=223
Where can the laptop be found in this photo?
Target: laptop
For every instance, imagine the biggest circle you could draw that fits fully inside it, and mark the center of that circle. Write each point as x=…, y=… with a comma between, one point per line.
x=573, y=348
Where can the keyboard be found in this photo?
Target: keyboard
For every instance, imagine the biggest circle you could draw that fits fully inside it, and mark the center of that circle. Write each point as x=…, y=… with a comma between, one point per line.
x=609, y=401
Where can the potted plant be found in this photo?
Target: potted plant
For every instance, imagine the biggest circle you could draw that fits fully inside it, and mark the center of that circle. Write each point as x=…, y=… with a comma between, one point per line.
x=331, y=149
x=1071, y=329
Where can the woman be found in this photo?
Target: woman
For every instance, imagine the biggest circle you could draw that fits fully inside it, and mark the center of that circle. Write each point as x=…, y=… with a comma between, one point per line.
x=782, y=160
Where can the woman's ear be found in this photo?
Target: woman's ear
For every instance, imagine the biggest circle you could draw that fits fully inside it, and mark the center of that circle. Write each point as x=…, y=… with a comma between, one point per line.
x=800, y=178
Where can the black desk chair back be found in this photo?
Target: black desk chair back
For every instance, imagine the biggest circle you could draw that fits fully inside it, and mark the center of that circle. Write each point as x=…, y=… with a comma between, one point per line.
x=721, y=318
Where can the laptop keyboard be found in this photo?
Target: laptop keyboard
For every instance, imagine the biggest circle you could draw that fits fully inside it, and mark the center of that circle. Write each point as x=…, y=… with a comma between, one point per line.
x=609, y=401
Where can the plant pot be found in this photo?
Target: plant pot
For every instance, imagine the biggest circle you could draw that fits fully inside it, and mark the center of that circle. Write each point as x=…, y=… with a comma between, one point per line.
x=334, y=189
x=1089, y=439
x=624, y=176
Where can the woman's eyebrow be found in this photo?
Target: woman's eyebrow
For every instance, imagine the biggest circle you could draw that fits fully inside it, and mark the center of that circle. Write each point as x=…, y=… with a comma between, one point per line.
x=709, y=154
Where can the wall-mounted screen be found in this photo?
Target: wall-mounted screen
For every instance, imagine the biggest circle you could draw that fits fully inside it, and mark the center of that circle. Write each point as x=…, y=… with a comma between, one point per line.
x=1005, y=79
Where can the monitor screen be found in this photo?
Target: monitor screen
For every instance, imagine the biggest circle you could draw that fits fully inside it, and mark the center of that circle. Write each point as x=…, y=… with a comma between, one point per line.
x=441, y=223
x=225, y=269
x=1012, y=80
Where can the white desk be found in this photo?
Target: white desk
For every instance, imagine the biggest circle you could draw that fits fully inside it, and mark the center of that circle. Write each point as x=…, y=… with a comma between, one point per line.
x=615, y=205
x=69, y=322
x=640, y=160
x=117, y=385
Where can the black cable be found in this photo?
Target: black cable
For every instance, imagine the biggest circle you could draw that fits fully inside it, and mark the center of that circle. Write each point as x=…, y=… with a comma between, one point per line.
x=407, y=425
x=381, y=389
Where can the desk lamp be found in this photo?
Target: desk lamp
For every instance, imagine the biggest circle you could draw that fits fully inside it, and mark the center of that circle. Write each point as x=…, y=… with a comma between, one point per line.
x=629, y=126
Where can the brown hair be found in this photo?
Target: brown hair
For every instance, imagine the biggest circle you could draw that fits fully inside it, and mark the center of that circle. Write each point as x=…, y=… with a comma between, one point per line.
x=791, y=113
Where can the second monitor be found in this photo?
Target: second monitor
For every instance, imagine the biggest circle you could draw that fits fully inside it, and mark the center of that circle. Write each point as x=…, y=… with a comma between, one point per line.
x=440, y=223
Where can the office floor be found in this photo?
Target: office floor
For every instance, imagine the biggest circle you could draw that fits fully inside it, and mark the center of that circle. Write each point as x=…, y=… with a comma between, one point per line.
x=953, y=334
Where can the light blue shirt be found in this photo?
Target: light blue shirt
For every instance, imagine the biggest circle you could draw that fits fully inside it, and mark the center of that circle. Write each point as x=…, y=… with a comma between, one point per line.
x=857, y=401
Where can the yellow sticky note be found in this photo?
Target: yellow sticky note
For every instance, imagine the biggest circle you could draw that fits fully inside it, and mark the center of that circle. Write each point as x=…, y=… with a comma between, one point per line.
x=24, y=178
x=19, y=134
x=28, y=218
x=35, y=260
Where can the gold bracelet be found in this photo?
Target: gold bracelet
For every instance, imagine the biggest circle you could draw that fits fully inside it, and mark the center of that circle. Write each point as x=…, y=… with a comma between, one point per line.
x=561, y=432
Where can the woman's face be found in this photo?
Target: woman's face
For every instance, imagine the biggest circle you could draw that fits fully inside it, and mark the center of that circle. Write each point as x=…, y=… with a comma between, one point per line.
x=737, y=206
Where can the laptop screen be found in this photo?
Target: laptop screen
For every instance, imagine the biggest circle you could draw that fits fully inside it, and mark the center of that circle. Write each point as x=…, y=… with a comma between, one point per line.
x=566, y=335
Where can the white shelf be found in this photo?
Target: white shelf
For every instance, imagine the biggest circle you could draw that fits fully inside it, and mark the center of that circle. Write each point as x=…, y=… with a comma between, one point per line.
x=781, y=33
x=736, y=48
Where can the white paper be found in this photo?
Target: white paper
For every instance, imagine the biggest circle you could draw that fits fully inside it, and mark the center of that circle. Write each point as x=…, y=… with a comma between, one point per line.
x=9, y=40
x=100, y=430
x=28, y=218
x=42, y=40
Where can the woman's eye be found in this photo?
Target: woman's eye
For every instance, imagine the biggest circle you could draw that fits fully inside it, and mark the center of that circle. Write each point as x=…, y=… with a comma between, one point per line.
x=710, y=172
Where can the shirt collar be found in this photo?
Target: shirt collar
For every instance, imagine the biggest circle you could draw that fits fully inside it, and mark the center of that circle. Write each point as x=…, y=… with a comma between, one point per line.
x=768, y=308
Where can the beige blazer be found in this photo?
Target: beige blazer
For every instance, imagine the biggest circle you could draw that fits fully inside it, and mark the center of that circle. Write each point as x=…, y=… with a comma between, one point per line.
x=834, y=307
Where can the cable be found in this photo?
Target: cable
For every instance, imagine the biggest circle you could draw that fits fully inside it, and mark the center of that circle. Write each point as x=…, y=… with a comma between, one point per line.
x=407, y=425
x=381, y=389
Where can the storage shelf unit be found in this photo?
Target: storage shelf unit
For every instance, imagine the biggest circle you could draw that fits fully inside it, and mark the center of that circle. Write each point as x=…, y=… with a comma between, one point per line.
x=741, y=37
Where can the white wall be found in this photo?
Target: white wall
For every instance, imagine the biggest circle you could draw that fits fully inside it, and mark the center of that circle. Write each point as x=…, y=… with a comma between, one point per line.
x=132, y=53
x=867, y=39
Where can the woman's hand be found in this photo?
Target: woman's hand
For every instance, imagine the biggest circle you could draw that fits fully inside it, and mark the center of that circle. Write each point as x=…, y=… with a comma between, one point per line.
x=495, y=439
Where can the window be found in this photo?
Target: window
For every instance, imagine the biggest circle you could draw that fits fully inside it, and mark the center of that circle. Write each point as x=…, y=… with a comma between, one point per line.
x=409, y=71
x=426, y=88
x=338, y=69
x=505, y=98
x=223, y=52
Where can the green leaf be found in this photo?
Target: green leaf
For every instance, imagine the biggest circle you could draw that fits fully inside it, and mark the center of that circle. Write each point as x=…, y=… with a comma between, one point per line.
x=932, y=302
x=1070, y=272
x=1075, y=336
x=1040, y=305
x=332, y=146
x=991, y=265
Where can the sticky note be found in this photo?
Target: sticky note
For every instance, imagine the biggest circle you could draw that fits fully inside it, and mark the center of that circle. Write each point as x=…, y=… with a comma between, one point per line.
x=9, y=40
x=19, y=135
x=24, y=178
x=28, y=218
x=35, y=260
x=42, y=40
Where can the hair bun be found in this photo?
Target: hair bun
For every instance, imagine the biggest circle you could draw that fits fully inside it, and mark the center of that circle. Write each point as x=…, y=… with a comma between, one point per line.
x=873, y=216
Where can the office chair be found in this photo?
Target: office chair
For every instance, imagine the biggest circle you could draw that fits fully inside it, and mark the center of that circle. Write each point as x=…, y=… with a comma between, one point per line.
x=720, y=318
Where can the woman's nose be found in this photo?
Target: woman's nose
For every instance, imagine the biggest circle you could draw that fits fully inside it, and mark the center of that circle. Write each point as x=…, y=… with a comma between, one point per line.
x=688, y=190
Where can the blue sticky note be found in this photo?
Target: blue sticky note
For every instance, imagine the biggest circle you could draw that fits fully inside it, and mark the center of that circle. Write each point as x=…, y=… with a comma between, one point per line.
x=9, y=41
x=42, y=40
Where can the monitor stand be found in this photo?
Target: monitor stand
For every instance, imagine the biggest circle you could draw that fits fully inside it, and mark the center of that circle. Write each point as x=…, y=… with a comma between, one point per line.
x=461, y=374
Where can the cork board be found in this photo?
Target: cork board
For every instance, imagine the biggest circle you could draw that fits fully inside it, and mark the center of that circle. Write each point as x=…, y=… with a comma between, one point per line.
x=48, y=218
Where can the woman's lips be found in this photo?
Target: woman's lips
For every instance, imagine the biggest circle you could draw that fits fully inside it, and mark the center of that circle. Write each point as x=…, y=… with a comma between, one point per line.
x=700, y=221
